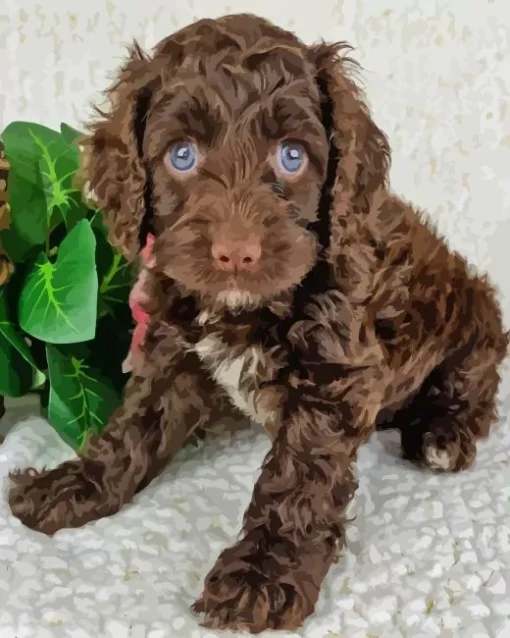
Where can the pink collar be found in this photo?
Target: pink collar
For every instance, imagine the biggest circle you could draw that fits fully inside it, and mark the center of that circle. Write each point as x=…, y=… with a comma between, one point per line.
x=147, y=249
x=140, y=316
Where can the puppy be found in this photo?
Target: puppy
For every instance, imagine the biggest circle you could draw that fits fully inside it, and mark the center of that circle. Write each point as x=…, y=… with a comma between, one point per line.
x=287, y=282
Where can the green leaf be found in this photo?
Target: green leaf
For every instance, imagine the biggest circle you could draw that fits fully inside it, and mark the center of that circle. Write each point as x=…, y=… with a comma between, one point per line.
x=23, y=152
x=58, y=164
x=41, y=175
x=29, y=224
x=115, y=276
x=18, y=370
x=74, y=211
x=113, y=336
x=80, y=399
x=70, y=134
x=58, y=303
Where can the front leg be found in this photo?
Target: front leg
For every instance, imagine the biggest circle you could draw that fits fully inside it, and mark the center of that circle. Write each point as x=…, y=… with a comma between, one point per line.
x=165, y=401
x=294, y=526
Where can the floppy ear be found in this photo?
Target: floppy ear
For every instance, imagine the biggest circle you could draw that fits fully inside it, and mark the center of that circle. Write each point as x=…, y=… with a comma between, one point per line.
x=359, y=153
x=112, y=158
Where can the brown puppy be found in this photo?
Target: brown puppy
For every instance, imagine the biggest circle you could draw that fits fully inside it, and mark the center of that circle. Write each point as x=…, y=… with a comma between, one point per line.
x=286, y=279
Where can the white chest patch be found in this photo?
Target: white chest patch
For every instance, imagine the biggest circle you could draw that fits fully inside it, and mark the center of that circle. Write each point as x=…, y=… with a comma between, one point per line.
x=235, y=374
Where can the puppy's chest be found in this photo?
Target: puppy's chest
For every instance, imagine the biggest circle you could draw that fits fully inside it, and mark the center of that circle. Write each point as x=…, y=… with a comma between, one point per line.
x=242, y=368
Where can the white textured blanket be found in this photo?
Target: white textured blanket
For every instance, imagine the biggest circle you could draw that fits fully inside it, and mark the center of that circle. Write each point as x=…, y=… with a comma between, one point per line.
x=427, y=556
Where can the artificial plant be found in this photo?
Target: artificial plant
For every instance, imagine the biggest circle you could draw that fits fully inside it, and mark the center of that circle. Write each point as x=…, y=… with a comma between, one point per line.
x=64, y=316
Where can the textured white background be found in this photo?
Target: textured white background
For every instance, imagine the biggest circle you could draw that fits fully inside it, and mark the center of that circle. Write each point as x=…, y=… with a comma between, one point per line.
x=428, y=556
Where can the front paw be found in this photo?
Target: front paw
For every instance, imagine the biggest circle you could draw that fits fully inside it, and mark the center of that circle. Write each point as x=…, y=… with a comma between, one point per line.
x=246, y=591
x=50, y=500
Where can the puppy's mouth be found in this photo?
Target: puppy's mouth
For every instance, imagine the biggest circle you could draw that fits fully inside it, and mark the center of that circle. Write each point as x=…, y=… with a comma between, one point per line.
x=241, y=273
x=236, y=291
x=236, y=298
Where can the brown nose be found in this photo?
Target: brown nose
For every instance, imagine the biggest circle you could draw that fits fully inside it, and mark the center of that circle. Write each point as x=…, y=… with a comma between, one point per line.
x=230, y=255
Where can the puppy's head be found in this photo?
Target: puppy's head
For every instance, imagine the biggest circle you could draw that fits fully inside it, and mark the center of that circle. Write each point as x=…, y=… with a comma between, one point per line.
x=230, y=144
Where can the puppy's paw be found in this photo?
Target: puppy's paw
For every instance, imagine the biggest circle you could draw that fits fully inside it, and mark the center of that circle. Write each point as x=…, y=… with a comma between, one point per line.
x=448, y=451
x=242, y=595
x=50, y=500
x=438, y=459
x=439, y=445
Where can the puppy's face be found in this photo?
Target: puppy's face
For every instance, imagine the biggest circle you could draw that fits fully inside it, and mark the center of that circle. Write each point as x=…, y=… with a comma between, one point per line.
x=238, y=157
x=228, y=127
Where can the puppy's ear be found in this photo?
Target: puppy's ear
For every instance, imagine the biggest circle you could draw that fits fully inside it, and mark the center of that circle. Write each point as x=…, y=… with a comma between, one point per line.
x=112, y=162
x=360, y=156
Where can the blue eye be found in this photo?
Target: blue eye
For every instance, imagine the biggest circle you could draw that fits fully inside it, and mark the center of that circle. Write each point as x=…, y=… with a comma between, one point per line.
x=291, y=157
x=183, y=157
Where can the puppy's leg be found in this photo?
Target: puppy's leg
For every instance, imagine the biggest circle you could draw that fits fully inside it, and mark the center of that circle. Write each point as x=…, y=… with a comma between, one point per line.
x=294, y=526
x=442, y=425
x=164, y=402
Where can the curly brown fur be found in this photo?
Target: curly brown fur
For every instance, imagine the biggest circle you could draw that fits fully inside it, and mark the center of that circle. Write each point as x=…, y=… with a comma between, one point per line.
x=357, y=314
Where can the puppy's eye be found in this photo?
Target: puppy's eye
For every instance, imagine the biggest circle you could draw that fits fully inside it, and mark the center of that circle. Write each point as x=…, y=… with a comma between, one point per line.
x=182, y=157
x=291, y=158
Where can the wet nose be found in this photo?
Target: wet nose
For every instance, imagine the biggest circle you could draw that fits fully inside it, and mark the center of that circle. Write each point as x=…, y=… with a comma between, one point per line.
x=229, y=255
